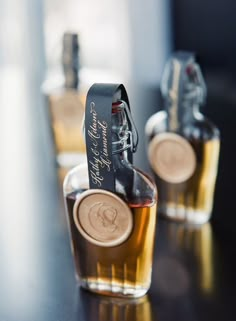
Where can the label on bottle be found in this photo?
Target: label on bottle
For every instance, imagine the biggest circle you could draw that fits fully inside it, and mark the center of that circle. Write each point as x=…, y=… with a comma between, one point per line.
x=98, y=133
x=102, y=218
x=172, y=157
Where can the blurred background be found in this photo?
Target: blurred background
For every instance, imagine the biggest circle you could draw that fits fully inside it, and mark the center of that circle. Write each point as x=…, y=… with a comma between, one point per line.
x=127, y=42
x=120, y=41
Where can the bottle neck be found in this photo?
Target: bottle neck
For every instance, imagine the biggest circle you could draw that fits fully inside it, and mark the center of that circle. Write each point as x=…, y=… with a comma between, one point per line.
x=70, y=60
x=183, y=88
x=71, y=79
x=178, y=116
x=120, y=159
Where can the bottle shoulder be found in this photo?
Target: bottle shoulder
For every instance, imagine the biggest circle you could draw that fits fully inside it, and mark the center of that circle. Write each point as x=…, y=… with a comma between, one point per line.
x=61, y=92
x=157, y=123
x=55, y=86
x=200, y=127
x=133, y=185
x=76, y=179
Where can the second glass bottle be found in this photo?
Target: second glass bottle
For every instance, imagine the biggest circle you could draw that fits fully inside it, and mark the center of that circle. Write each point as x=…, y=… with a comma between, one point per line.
x=183, y=145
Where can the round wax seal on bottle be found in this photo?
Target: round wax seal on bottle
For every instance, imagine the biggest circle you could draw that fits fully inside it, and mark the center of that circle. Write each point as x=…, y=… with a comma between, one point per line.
x=102, y=217
x=172, y=157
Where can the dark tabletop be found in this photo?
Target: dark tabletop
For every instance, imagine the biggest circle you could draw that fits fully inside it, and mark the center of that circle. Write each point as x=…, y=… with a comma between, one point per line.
x=194, y=267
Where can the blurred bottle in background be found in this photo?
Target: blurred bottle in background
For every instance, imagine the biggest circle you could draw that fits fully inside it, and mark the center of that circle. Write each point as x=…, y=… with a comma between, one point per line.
x=65, y=105
x=183, y=146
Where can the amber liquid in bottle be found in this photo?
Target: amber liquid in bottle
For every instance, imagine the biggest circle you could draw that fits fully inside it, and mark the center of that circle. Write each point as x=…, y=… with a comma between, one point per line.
x=192, y=200
x=67, y=113
x=121, y=268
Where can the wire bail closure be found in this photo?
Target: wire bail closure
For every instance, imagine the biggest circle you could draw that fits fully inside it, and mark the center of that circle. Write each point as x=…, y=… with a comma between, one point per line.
x=133, y=137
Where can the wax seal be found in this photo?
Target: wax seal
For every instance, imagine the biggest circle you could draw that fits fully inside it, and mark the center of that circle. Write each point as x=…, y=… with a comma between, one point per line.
x=102, y=217
x=172, y=157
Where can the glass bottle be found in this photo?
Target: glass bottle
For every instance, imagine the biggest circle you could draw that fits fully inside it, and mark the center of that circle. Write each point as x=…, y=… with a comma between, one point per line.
x=183, y=145
x=66, y=107
x=120, y=268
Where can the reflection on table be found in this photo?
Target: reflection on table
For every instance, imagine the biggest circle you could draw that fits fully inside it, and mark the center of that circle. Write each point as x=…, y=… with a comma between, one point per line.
x=104, y=308
x=187, y=261
x=198, y=241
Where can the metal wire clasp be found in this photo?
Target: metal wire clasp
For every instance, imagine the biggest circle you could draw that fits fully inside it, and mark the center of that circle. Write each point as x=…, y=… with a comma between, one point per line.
x=133, y=134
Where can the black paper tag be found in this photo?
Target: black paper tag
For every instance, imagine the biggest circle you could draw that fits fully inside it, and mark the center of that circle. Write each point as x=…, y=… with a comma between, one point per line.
x=98, y=134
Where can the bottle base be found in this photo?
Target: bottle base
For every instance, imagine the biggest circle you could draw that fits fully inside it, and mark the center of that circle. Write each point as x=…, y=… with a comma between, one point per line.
x=184, y=215
x=113, y=289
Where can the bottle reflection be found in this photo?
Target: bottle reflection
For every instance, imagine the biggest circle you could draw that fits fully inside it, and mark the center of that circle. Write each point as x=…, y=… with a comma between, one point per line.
x=102, y=308
x=197, y=240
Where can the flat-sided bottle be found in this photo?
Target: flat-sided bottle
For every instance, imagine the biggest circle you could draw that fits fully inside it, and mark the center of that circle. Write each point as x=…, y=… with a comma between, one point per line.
x=111, y=205
x=183, y=145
